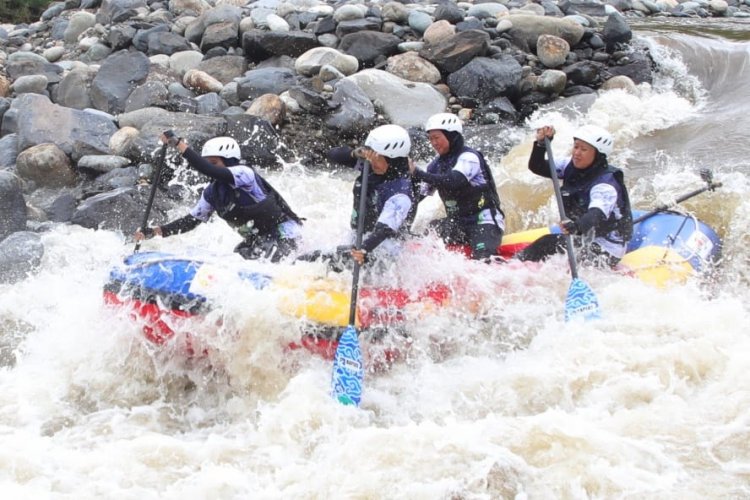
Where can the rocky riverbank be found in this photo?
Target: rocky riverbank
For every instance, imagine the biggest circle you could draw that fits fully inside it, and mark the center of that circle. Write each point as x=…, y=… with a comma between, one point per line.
x=85, y=91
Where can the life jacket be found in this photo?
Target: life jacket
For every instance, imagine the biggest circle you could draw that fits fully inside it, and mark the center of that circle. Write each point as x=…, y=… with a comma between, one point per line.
x=238, y=208
x=379, y=189
x=576, y=194
x=465, y=203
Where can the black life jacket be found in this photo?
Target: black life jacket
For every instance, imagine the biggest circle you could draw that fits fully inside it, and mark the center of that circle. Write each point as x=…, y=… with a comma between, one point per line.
x=576, y=194
x=465, y=203
x=237, y=207
x=380, y=188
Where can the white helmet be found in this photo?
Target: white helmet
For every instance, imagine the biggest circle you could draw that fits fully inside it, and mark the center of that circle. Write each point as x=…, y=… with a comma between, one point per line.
x=389, y=140
x=226, y=147
x=597, y=137
x=444, y=121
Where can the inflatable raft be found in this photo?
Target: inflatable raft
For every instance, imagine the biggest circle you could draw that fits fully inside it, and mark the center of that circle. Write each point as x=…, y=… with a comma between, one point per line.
x=165, y=292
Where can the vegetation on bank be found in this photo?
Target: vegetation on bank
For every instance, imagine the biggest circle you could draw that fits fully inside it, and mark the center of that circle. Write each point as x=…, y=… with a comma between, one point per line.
x=22, y=11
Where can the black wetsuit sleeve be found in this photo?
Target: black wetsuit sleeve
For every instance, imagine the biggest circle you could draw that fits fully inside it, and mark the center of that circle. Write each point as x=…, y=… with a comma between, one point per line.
x=591, y=219
x=203, y=166
x=537, y=163
x=451, y=180
x=377, y=236
x=342, y=156
x=181, y=225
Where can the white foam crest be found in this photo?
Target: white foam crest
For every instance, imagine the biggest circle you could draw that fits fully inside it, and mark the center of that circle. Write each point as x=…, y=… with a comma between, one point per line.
x=672, y=74
x=626, y=116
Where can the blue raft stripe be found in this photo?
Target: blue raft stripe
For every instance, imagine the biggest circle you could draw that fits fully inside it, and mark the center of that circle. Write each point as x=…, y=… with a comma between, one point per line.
x=672, y=230
x=165, y=274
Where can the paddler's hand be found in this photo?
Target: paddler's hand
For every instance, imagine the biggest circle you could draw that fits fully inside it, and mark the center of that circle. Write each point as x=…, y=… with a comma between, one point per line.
x=170, y=138
x=542, y=132
x=147, y=233
x=568, y=227
x=359, y=255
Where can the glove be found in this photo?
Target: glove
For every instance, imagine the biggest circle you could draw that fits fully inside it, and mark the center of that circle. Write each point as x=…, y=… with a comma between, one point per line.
x=172, y=139
x=569, y=226
x=361, y=152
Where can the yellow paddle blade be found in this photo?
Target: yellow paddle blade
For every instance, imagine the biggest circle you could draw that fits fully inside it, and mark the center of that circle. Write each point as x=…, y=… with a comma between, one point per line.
x=658, y=266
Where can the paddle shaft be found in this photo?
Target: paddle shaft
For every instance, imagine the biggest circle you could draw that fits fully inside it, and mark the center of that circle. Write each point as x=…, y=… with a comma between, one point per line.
x=154, y=184
x=710, y=187
x=358, y=241
x=561, y=208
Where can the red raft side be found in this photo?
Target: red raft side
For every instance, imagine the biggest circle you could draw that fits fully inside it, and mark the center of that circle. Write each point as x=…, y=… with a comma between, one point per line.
x=379, y=308
x=152, y=318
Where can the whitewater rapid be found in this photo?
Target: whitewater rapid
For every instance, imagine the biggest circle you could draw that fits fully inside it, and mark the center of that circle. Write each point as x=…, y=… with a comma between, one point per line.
x=500, y=398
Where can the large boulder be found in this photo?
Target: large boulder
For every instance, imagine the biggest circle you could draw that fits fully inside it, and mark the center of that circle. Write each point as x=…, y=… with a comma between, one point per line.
x=119, y=210
x=404, y=103
x=355, y=112
x=261, y=81
x=259, y=45
x=369, y=46
x=75, y=132
x=451, y=54
x=310, y=63
x=47, y=165
x=527, y=29
x=116, y=11
x=118, y=75
x=484, y=79
x=74, y=90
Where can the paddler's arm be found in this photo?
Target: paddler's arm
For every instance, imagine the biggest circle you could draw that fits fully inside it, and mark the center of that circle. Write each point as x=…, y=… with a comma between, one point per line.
x=342, y=155
x=378, y=235
x=203, y=166
x=181, y=225
x=195, y=160
x=537, y=163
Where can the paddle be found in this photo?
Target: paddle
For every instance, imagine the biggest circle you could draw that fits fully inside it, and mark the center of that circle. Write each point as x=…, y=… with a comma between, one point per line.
x=348, y=366
x=707, y=177
x=154, y=184
x=581, y=302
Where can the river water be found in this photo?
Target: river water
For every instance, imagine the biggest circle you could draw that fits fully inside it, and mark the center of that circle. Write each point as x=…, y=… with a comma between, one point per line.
x=500, y=398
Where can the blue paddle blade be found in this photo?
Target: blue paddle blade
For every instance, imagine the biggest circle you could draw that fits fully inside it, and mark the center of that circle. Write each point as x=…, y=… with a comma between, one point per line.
x=348, y=369
x=581, y=302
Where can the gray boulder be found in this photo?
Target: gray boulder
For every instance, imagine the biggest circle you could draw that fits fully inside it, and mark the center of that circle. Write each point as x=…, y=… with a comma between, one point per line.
x=118, y=75
x=527, y=29
x=484, y=79
x=119, y=210
x=369, y=46
x=355, y=112
x=75, y=88
x=8, y=151
x=261, y=81
x=46, y=165
x=116, y=11
x=75, y=132
x=452, y=53
x=259, y=45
